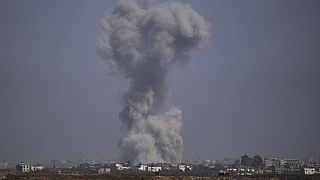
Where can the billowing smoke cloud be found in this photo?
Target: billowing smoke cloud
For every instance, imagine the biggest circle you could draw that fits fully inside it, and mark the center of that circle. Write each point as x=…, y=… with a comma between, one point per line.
x=142, y=43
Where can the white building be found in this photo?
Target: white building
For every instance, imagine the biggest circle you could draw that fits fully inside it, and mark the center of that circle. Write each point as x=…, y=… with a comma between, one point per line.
x=149, y=168
x=104, y=171
x=184, y=167
x=142, y=167
x=154, y=169
x=310, y=171
x=120, y=167
x=36, y=168
x=24, y=168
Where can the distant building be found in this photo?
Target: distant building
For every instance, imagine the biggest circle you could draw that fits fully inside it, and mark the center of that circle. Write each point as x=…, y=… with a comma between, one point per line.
x=120, y=167
x=184, y=167
x=287, y=170
x=313, y=165
x=288, y=166
x=104, y=171
x=245, y=160
x=36, y=167
x=142, y=167
x=270, y=162
x=310, y=171
x=24, y=168
x=154, y=169
x=149, y=168
x=4, y=165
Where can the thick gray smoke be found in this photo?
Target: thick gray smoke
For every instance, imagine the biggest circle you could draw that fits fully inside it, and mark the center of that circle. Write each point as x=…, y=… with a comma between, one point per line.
x=142, y=43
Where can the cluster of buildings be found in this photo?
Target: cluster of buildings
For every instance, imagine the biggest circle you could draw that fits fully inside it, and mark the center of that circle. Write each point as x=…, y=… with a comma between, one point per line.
x=244, y=166
x=24, y=168
x=263, y=166
x=4, y=165
x=70, y=163
x=290, y=166
x=242, y=171
x=152, y=168
x=104, y=171
x=149, y=168
x=283, y=166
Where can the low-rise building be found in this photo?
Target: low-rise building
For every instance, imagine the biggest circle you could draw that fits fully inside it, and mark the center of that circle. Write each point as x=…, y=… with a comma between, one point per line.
x=310, y=171
x=294, y=163
x=149, y=168
x=36, y=167
x=154, y=169
x=184, y=167
x=4, y=165
x=270, y=162
x=287, y=170
x=120, y=167
x=24, y=168
x=142, y=167
x=104, y=171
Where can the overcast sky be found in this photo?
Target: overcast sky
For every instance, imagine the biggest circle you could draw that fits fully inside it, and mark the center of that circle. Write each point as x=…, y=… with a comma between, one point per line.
x=254, y=89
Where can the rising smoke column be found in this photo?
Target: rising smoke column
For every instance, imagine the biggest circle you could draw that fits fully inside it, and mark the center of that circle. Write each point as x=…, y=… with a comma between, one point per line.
x=142, y=42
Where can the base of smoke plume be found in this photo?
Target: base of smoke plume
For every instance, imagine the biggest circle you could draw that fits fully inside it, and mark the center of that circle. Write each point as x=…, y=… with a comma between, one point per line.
x=156, y=140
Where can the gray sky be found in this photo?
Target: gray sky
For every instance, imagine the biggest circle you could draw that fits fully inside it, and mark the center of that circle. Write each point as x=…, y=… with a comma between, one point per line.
x=254, y=89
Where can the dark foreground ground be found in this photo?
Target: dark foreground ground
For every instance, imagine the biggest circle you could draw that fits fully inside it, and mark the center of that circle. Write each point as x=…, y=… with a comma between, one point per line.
x=146, y=177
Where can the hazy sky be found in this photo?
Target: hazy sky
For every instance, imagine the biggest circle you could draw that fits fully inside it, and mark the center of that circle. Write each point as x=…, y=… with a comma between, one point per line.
x=254, y=89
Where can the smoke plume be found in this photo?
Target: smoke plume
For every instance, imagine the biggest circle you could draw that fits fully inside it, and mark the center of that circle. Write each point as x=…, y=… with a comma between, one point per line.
x=142, y=42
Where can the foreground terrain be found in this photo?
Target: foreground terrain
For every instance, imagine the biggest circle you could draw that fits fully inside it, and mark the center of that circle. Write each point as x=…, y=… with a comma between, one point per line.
x=145, y=177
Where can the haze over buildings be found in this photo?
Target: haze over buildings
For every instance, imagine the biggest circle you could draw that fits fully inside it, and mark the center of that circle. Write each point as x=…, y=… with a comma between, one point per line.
x=254, y=89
